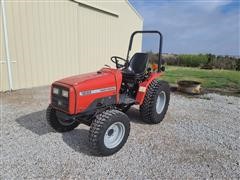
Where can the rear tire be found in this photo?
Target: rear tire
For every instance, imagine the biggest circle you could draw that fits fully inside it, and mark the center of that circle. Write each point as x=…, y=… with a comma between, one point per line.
x=156, y=102
x=58, y=124
x=109, y=131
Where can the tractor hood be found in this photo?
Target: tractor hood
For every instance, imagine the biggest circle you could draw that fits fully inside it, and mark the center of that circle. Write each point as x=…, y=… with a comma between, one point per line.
x=91, y=87
x=103, y=78
x=106, y=77
x=83, y=78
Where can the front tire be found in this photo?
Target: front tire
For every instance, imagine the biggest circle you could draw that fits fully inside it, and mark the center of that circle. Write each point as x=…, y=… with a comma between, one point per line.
x=58, y=124
x=156, y=102
x=109, y=131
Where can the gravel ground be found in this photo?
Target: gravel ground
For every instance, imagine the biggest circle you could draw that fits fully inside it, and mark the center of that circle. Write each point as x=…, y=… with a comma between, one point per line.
x=199, y=138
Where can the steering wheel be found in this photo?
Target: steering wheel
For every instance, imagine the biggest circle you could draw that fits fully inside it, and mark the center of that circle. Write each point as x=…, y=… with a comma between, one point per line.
x=116, y=59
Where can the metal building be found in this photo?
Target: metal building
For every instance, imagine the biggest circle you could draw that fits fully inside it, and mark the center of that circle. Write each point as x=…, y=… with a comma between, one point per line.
x=42, y=41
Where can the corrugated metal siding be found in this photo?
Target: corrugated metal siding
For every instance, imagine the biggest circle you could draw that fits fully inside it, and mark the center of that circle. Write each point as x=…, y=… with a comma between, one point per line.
x=53, y=39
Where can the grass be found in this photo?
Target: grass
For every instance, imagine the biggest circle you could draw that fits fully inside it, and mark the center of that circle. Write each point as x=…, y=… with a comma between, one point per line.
x=221, y=79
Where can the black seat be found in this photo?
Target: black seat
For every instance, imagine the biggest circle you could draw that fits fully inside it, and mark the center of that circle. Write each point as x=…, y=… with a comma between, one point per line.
x=137, y=67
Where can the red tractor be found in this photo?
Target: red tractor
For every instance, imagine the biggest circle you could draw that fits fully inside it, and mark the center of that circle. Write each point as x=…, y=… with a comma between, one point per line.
x=100, y=99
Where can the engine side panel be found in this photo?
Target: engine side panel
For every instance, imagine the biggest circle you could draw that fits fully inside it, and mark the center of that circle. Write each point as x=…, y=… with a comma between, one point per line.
x=105, y=85
x=118, y=79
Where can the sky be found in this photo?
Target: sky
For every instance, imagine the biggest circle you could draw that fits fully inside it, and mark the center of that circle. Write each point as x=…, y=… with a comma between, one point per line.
x=192, y=26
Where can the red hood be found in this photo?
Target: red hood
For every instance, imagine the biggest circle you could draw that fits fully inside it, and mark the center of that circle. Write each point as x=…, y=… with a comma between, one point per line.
x=89, y=78
x=83, y=78
x=105, y=78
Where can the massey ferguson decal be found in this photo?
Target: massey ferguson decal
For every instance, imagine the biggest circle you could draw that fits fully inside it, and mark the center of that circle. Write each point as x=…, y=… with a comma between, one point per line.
x=95, y=91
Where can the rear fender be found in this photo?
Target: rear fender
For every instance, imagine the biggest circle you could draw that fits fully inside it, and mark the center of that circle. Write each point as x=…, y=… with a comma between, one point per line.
x=142, y=90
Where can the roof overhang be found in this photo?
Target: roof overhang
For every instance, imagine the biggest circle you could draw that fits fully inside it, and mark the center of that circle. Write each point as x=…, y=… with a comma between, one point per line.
x=137, y=13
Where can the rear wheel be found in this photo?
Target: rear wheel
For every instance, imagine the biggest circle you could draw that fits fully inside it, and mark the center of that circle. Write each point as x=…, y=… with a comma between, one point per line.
x=156, y=102
x=109, y=132
x=60, y=125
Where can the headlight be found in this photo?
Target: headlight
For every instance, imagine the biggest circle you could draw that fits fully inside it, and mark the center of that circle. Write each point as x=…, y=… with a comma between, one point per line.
x=65, y=93
x=55, y=90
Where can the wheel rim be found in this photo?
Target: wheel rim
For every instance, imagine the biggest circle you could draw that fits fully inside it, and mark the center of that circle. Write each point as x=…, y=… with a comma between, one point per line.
x=161, y=101
x=114, y=135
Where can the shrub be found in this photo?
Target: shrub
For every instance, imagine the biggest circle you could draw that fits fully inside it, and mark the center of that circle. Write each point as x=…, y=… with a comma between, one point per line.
x=225, y=62
x=238, y=64
x=199, y=60
x=189, y=60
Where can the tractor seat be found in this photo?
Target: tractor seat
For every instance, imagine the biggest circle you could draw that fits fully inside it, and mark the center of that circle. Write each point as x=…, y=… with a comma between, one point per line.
x=137, y=67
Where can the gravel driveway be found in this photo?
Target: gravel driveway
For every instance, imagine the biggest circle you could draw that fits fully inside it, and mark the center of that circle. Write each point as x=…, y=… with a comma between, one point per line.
x=199, y=138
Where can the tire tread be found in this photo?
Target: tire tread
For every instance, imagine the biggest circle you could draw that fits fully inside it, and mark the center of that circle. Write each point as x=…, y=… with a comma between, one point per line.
x=148, y=103
x=98, y=125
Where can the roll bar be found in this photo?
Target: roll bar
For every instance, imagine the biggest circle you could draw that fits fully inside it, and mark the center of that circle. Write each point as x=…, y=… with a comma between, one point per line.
x=160, y=45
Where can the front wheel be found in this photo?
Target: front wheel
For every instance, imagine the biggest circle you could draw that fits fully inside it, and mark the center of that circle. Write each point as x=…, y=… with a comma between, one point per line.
x=109, y=131
x=156, y=102
x=59, y=125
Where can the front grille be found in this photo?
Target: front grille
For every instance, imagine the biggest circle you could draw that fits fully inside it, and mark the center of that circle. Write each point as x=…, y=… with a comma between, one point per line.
x=60, y=101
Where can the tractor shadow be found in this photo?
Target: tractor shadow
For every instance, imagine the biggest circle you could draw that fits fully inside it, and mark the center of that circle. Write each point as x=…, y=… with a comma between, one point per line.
x=77, y=139
x=35, y=122
x=134, y=115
